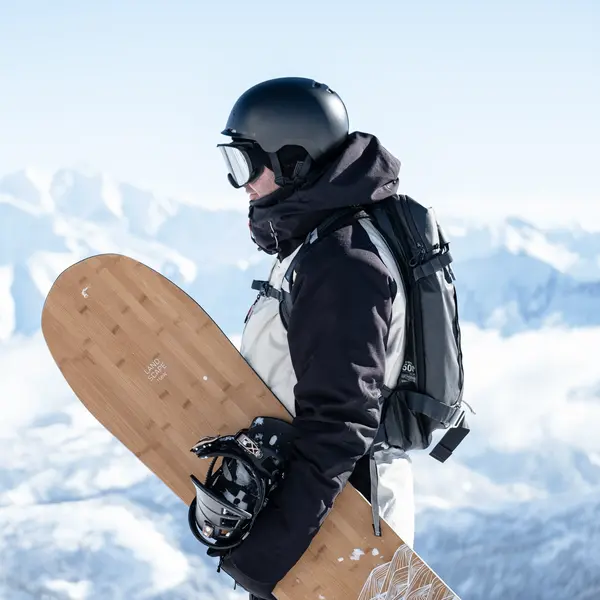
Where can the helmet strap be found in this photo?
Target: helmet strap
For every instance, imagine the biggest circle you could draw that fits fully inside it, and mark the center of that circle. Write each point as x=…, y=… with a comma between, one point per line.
x=299, y=174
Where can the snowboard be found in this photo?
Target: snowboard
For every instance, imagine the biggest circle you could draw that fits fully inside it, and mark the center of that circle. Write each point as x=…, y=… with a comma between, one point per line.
x=157, y=372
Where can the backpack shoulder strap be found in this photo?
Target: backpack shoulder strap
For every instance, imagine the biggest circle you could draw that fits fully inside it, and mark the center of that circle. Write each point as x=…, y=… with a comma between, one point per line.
x=333, y=222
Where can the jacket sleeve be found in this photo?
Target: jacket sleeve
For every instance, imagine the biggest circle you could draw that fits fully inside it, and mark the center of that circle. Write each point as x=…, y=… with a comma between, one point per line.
x=337, y=337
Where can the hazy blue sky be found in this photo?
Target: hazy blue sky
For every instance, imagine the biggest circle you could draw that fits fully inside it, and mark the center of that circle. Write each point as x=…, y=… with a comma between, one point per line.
x=491, y=106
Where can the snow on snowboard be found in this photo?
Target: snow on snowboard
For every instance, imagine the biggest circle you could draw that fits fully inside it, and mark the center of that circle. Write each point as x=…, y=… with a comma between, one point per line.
x=158, y=373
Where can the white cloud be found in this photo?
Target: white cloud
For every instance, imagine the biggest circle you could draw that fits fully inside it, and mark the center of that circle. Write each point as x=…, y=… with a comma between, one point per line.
x=30, y=382
x=520, y=387
x=75, y=590
x=7, y=304
x=95, y=528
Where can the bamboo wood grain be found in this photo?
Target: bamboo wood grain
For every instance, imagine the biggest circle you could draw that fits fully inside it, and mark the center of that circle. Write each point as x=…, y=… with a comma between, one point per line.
x=158, y=373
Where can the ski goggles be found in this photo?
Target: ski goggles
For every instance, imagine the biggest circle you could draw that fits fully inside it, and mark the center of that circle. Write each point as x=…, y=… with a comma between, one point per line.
x=244, y=161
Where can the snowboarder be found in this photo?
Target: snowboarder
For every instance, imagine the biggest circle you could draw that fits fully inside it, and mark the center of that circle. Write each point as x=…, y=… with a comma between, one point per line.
x=292, y=152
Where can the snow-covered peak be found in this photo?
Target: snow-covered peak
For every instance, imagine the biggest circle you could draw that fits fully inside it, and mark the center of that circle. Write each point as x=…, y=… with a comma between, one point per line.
x=28, y=189
x=522, y=238
x=570, y=250
x=546, y=548
x=85, y=195
x=50, y=221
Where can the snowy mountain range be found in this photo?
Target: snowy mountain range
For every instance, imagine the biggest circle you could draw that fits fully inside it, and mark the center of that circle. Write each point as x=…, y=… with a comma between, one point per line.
x=532, y=277
x=517, y=505
x=539, y=550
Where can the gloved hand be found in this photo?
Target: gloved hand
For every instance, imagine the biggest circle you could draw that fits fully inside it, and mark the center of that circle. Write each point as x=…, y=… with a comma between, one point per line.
x=258, y=590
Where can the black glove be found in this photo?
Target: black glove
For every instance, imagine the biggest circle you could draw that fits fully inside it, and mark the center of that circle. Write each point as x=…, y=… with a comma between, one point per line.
x=258, y=590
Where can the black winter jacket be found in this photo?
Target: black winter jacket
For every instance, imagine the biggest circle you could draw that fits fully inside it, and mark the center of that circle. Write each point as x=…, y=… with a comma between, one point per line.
x=334, y=365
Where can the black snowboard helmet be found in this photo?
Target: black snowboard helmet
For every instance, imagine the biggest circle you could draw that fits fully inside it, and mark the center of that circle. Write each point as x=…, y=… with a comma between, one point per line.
x=288, y=124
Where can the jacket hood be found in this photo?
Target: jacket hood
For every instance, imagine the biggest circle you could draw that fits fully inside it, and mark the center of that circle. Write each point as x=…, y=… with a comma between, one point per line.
x=363, y=173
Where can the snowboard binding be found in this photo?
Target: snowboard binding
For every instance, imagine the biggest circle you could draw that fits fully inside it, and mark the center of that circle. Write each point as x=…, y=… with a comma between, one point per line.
x=231, y=497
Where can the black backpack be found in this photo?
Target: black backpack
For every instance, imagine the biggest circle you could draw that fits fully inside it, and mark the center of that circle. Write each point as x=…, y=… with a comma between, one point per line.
x=428, y=394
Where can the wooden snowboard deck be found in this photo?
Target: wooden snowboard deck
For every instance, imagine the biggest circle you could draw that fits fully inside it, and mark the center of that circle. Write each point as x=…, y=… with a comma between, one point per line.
x=158, y=373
